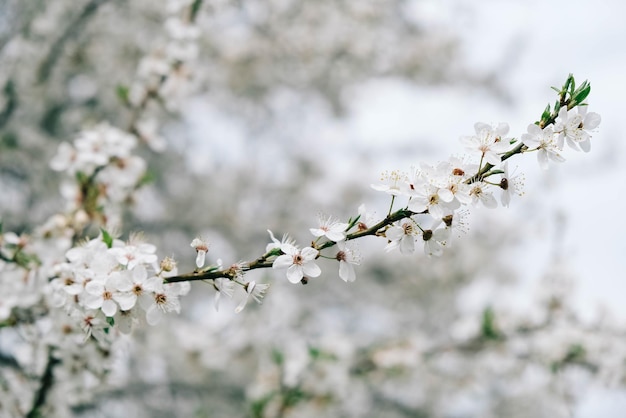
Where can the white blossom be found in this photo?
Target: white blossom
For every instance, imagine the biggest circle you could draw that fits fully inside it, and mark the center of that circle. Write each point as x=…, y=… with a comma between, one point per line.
x=298, y=262
x=545, y=142
x=201, y=248
x=331, y=229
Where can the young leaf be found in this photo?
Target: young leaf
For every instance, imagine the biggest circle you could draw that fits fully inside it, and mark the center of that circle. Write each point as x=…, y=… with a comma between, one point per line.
x=106, y=238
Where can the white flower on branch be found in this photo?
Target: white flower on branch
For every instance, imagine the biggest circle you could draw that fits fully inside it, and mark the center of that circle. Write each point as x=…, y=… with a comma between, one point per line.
x=201, y=248
x=347, y=258
x=254, y=290
x=489, y=141
x=435, y=240
x=298, y=262
x=545, y=143
x=481, y=194
x=574, y=127
x=223, y=286
x=510, y=184
x=392, y=183
x=402, y=236
x=330, y=228
x=109, y=292
x=276, y=244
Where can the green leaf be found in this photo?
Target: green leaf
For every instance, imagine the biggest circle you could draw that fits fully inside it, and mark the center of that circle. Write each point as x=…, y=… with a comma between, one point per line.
x=575, y=353
x=546, y=114
x=352, y=222
x=122, y=93
x=147, y=178
x=278, y=357
x=106, y=238
x=258, y=406
x=582, y=93
x=488, y=327
x=81, y=178
x=195, y=7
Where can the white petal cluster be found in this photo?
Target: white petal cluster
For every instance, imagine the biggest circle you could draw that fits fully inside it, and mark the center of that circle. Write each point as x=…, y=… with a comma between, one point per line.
x=122, y=281
x=573, y=126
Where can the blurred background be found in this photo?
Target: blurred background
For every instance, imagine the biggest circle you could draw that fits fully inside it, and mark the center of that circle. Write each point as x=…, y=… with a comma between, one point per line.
x=295, y=108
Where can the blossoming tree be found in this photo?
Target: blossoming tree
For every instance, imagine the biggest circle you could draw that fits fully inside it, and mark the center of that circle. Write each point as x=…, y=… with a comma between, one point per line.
x=86, y=302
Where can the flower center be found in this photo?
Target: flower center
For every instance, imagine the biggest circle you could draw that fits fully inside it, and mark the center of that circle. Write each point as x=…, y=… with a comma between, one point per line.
x=297, y=259
x=160, y=299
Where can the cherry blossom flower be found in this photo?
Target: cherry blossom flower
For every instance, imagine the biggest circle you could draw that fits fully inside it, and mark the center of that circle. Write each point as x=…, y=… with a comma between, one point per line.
x=393, y=183
x=510, y=184
x=434, y=241
x=109, y=293
x=545, y=143
x=223, y=286
x=347, y=258
x=254, y=290
x=276, y=244
x=489, y=141
x=456, y=222
x=574, y=127
x=164, y=300
x=201, y=248
x=298, y=262
x=402, y=236
x=132, y=255
x=427, y=198
x=479, y=193
x=331, y=229
x=366, y=219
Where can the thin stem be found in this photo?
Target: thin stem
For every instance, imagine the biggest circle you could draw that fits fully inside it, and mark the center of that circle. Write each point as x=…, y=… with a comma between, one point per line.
x=393, y=197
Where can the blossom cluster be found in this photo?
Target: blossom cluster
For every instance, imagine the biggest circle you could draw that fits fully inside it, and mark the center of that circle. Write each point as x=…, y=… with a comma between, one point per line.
x=103, y=171
x=166, y=72
x=573, y=127
x=119, y=283
x=438, y=195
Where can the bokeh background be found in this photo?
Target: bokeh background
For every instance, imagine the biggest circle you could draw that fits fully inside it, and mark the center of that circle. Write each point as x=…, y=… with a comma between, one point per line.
x=295, y=108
